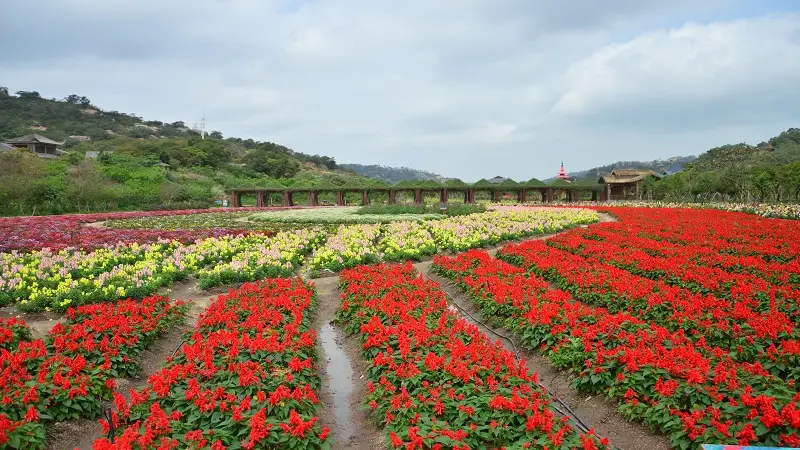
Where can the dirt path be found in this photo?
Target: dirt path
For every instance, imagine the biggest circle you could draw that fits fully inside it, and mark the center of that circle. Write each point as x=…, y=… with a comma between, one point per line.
x=342, y=372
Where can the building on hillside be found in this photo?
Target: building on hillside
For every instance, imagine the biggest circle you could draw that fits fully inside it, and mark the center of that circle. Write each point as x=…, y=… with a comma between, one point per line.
x=6, y=147
x=94, y=154
x=497, y=180
x=562, y=174
x=38, y=145
x=626, y=184
x=81, y=138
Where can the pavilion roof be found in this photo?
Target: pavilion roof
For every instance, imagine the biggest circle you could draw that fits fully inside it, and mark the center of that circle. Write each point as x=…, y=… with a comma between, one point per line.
x=621, y=176
x=33, y=139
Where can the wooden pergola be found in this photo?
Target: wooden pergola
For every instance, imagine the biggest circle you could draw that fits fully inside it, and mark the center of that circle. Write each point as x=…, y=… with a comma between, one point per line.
x=522, y=192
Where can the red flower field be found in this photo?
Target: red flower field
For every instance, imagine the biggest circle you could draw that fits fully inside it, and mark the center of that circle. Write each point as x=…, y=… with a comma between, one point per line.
x=244, y=378
x=689, y=318
x=435, y=380
x=66, y=375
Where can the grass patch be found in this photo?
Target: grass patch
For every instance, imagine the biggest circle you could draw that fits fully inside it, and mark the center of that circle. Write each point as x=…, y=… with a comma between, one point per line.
x=335, y=216
x=452, y=209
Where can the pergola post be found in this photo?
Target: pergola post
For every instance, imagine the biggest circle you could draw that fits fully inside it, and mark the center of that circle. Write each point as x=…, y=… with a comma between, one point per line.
x=543, y=193
x=523, y=195
x=364, y=198
x=549, y=195
x=418, y=196
x=594, y=196
x=392, y=196
x=339, y=198
x=233, y=199
x=286, y=201
x=312, y=198
x=608, y=192
x=443, y=195
x=260, y=199
x=495, y=195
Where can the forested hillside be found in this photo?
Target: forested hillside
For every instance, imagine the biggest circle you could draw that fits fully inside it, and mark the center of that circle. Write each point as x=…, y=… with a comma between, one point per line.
x=136, y=163
x=391, y=174
x=670, y=165
x=769, y=171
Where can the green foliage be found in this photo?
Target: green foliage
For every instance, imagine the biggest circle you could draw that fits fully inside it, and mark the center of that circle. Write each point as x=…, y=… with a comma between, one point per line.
x=391, y=175
x=452, y=209
x=768, y=172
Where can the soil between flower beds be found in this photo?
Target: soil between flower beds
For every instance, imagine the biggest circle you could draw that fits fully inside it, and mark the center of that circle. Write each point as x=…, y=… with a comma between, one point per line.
x=363, y=435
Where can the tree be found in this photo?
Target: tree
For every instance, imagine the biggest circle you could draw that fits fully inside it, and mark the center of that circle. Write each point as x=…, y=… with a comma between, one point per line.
x=215, y=135
x=3, y=91
x=78, y=100
x=273, y=164
x=87, y=186
x=178, y=124
x=19, y=171
x=28, y=95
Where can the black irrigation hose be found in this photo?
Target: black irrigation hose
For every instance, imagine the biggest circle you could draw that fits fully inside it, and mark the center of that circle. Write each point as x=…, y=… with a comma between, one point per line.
x=571, y=415
x=110, y=419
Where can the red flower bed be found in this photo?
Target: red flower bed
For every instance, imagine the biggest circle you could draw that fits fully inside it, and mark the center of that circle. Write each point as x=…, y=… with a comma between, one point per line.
x=57, y=232
x=689, y=390
x=245, y=378
x=66, y=375
x=699, y=367
x=435, y=380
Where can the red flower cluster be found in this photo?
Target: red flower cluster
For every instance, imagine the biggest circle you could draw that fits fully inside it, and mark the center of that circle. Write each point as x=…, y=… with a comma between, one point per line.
x=704, y=360
x=245, y=378
x=57, y=232
x=66, y=375
x=435, y=380
x=12, y=332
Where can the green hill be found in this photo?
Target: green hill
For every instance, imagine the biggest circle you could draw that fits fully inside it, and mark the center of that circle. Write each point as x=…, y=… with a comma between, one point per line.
x=121, y=161
x=391, y=174
x=769, y=171
x=779, y=150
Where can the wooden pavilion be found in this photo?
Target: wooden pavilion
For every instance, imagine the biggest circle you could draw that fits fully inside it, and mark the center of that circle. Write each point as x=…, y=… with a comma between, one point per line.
x=38, y=145
x=626, y=184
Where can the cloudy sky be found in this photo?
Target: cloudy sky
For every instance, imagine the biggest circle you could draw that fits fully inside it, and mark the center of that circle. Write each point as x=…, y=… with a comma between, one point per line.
x=465, y=88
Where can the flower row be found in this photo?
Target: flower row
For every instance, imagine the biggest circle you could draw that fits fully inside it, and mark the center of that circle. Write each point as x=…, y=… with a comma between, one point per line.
x=244, y=378
x=435, y=381
x=50, y=279
x=367, y=244
x=692, y=391
x=68, y=230
x=68, y=374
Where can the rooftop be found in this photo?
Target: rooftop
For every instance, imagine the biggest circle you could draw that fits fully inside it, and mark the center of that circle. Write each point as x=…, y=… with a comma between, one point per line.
x=33, y=139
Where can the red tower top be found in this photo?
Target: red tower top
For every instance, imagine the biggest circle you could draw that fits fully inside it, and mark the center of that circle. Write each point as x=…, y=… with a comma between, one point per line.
x=562, y=174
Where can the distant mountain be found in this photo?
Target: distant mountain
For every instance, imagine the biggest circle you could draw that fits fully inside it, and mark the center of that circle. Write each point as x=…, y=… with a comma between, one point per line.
x=391, y=174
x=669, y=165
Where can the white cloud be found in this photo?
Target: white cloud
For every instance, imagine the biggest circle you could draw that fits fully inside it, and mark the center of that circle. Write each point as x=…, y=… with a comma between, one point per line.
x=691, y=65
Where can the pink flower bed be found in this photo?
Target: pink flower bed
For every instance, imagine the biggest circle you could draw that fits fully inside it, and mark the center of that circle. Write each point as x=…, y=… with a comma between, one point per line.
x=56, y=232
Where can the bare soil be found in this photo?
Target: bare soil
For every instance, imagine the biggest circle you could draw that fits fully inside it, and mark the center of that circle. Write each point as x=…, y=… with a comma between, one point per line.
x=355, y=431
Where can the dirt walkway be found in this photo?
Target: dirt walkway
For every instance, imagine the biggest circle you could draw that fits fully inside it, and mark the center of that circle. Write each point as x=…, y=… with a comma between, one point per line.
x=342, y=372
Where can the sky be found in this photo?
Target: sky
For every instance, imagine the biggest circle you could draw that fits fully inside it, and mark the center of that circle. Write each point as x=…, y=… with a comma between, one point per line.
x=465, y=88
